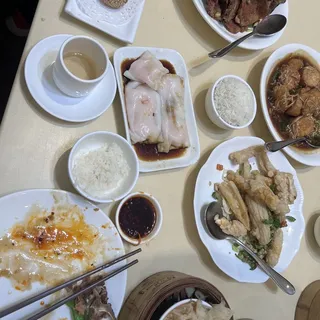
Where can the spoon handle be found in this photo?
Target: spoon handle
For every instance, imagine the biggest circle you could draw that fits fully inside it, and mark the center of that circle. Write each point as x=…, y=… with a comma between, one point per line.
x=222, y=52
x=278, y=145
x=279, y=280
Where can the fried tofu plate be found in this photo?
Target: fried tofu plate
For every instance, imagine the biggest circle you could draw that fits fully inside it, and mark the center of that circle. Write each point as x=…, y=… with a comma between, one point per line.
x=262, y=202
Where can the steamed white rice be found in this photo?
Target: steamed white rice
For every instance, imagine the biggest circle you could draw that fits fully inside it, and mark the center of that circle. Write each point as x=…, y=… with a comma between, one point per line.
x=100, y=171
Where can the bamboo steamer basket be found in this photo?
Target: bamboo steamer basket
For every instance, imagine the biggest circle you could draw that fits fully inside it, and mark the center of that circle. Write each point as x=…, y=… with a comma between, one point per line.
x=308, y=306
x=145, y=299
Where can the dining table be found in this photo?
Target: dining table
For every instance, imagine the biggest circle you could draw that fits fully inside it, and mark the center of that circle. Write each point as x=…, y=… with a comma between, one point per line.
x=35, y=146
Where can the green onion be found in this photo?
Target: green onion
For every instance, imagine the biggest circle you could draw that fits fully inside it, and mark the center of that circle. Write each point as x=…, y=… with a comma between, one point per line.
x=74, y=312
x=246, y=258
x=273, y=222
x=276, y=75
x=215, y=195
x=273, y=188
x=291, y=219
x=235, y=247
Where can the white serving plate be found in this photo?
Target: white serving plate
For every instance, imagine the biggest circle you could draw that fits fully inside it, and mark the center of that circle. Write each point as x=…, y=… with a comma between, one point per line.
x=124, y=31
x=193, y=152
x=14, y=207
x=253, y=43
x=310, y=158
x=221, y=250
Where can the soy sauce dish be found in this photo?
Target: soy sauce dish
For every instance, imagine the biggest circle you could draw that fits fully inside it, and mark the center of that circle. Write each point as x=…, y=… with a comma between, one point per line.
x=139, y=218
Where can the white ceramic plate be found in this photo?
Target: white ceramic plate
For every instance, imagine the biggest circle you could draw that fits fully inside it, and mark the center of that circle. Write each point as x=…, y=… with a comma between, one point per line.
x=310, y=158
x=125, y=31
x=14, y=207
x=221, y=250
x=254, y=43
x=193, y=152
x=38, y=74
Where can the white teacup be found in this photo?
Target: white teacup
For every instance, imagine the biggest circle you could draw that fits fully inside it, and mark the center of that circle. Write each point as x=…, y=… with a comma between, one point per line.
x=89, y=50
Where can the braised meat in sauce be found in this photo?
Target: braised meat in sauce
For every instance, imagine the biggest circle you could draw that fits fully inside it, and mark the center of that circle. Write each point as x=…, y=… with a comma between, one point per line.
x=240, y=15
x=293, y=96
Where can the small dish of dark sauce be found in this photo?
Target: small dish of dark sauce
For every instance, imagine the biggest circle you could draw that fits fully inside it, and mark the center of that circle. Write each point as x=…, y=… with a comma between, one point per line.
x=137, y=217
x=149, y=152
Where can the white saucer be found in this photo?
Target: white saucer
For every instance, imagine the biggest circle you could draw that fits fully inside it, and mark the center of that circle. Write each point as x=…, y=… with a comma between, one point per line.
x=38, y=74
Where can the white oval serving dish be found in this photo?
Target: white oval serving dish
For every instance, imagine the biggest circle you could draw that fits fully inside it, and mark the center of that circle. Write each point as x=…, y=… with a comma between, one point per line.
x=310, y=158
x=221, y=250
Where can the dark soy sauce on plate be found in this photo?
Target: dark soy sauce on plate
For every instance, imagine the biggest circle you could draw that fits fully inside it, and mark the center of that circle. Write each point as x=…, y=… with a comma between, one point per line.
x=137, y=217
x=149, y=152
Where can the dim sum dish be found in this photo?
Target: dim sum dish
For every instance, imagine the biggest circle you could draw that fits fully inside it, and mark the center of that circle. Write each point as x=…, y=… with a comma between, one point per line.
x=261, y=199
x=290, y=96
x=192, y=309
x=157, y=107
x=48, y=237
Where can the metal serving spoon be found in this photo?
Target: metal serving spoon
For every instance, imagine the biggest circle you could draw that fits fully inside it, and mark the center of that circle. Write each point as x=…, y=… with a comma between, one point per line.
x=278, y=145
x=267, y=27
x=214, y=209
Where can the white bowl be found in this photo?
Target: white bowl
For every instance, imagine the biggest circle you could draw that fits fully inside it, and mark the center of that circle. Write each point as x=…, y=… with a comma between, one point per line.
x=212, y=111
x=94, y=141
x=157, y=226
x=180, y=303
x=310, y=158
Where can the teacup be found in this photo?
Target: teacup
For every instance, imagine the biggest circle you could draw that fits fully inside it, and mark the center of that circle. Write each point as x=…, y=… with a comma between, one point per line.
x=80, y=66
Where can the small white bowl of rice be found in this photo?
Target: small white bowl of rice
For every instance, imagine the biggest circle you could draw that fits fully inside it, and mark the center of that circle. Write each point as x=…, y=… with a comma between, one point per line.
x=103, y=167
x=231, y=103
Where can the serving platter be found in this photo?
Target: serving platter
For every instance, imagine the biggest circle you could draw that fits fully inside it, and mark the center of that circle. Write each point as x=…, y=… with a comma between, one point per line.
x=221, y=250
x=310, y=158
x=192, y=153
x=15, y=207
x=121, y=24
x=253, y=43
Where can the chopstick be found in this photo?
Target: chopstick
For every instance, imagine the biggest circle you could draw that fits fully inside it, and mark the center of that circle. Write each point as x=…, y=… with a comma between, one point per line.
x=44, y=294
x=73, y=296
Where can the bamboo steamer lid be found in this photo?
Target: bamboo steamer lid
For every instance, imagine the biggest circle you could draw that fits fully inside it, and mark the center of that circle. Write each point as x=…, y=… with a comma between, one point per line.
x=308, y=306
x=145, y=299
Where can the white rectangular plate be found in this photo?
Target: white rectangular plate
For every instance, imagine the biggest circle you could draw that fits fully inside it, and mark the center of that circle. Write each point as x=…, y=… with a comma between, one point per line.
x=124, y=32
x=193, y=152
